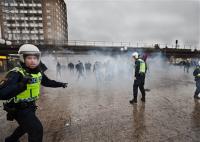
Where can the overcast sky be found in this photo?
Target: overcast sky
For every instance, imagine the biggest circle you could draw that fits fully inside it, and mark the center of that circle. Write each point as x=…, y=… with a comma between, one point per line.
x=148, y=21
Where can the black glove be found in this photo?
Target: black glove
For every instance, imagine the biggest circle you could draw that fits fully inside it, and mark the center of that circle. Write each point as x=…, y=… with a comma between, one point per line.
x=23, y=83
x=64, y=85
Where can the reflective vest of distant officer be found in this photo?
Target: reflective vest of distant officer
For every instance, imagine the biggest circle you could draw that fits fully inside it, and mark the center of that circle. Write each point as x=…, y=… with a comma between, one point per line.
x=139, y=78
x=196, y=74
x=21, y=89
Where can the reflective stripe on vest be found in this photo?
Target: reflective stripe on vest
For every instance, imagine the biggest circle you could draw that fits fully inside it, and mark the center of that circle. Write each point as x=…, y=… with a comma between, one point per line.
x=142, y=66
x=32, y=92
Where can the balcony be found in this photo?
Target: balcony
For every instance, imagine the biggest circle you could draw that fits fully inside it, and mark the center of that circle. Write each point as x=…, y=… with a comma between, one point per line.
x=33, y=18
x=24, y=18
x=24, y=25
x=15, y=18
x=41, y=31
x=25, y=32
x=41, y=38
x=34, y=38
x=17, y=25
x=13, y=4
x=8, y=18
x=40, y=25
x=39, y=5
x=23, y=4
x=23, y=11
x=16, y=32
x=33, y=11
x=34, y=32
x=33, y=25
x=14, y=11
x=39, y=11
x=25, y=38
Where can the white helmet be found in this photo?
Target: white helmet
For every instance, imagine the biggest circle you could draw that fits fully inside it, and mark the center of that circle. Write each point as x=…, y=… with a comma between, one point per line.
x=198, y=63
x=28, y=49
x=135, y=54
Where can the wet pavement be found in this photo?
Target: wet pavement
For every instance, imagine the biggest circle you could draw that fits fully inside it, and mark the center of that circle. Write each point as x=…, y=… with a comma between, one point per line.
x=88, y=111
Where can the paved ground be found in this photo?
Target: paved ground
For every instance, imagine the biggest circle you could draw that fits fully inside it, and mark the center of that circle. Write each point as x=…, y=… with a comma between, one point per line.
x=91, y=112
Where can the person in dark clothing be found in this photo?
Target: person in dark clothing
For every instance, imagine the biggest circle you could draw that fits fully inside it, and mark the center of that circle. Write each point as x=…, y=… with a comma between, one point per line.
x=21, y=89
x=187, y=66
x=196, y=74
x=140, y=71
x=71, y=67
x=88, y=67
x=80, y=69
x=58, y=69
x=97, y=69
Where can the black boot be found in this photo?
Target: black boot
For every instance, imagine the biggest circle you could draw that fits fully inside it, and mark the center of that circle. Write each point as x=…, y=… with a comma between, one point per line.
x=143, y=99
x=133, y=100
x=9, y=140
x=196, y=97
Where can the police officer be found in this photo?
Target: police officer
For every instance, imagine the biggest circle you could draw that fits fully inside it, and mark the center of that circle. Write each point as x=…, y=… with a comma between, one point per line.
x=196, y=74
x=139, y=80
x=21, y=89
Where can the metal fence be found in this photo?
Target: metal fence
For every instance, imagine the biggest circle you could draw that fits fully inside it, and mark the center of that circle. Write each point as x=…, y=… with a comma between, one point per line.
x=114, y=44
x=126, y=44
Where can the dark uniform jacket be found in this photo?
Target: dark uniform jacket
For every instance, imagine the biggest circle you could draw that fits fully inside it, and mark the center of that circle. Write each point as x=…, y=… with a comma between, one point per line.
x=196, y=72
x=138, y=75
x=13, y=85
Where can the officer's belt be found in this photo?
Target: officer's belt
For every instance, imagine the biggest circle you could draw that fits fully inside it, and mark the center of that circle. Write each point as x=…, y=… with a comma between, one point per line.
x=24, y=105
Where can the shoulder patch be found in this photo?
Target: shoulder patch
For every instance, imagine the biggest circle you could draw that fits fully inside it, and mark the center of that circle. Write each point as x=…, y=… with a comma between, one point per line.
x=3, y=82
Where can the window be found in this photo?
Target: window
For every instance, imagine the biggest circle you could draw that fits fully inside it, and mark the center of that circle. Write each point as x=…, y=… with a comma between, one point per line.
x=39, y=5
x=41, y=31
x=49, y=30
x=49, y=24
x=39, y=11
x=41, y=38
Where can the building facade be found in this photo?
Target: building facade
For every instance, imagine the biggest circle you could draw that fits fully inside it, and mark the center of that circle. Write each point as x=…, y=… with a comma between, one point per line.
x=34, y=21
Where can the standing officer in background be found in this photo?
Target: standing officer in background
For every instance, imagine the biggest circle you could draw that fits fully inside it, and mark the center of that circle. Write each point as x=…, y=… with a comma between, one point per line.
x=139, y=79
x=58, y=69
x=21, y=89
x=196, y=74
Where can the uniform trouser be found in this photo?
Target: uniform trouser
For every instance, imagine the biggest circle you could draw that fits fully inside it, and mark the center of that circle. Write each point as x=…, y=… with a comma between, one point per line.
x=139, y=83
x=198, y=88
x=28, y=123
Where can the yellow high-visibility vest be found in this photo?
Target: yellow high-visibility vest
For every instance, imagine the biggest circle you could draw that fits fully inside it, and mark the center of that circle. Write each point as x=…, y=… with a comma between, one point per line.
x=142, y=66
x=32, y=92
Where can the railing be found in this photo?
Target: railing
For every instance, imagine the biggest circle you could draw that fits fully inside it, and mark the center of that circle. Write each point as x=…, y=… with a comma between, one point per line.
x=124, y=44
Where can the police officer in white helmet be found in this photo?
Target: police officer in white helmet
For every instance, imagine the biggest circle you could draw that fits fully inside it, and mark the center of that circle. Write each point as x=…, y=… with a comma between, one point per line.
x=139, y=78
x=196, y=74
x=21, y=90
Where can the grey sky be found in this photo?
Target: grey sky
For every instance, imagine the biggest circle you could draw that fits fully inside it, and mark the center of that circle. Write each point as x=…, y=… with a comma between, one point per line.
x=148, y=21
